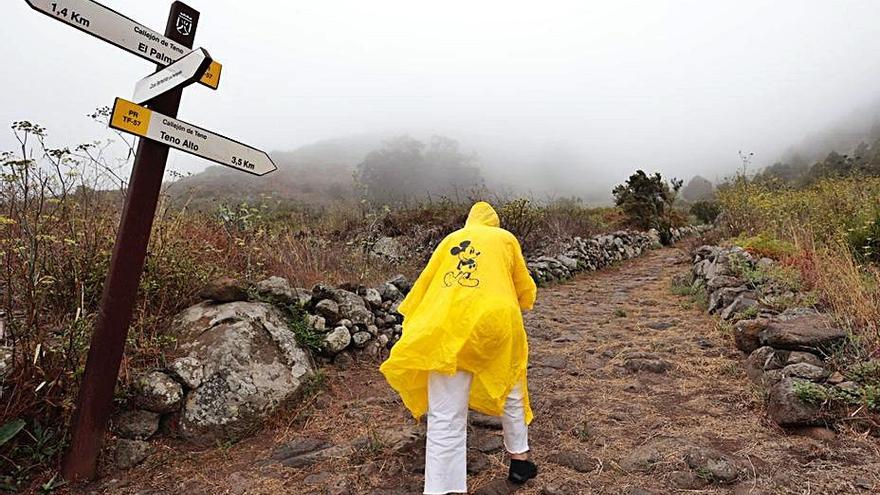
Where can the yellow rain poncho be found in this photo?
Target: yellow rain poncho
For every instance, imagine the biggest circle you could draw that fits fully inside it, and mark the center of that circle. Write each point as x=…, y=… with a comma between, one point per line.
x=464, y=313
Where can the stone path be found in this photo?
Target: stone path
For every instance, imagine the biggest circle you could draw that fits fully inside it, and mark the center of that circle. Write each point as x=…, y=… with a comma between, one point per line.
x=634, y=391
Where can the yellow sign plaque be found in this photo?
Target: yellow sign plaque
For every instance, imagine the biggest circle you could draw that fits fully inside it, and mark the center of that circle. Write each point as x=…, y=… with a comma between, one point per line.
x=130, y=117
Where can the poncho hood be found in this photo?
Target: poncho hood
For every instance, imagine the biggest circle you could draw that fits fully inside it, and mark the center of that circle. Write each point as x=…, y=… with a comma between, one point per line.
x=482, y=213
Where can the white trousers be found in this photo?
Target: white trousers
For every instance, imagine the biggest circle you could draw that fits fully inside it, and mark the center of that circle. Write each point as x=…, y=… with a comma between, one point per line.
x=446, y=446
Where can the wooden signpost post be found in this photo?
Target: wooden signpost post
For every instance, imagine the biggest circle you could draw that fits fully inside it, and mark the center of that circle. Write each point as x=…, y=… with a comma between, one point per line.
x=159, y=129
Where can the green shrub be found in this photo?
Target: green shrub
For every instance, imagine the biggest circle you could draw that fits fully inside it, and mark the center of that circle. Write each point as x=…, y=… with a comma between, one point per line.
x=766, y=246
x=706, y=211
x=810, y=392
x=647, y=201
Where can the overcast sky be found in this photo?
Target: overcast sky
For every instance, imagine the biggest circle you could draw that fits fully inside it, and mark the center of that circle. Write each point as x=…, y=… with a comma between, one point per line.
x=677, y=86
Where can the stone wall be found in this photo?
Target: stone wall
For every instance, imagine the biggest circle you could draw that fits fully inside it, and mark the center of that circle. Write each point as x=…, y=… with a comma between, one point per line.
x=788, y=349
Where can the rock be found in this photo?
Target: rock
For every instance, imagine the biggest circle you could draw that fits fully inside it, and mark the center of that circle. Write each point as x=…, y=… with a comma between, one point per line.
x=745, y=334
x=328, y=309
x=155, y=391
x=319, y=323
x=836, y=378
x=130, y=453
x=642, y=458
x=358, y=314
x=373, y=298
x=225, y=289
x=137, y=424
x=388, y=248
x=786, y=408
x=250, y=364
x=298, y=447
x=189, y=370
x=484, y=421
x=806, y=372
x=637, y=490
x=574, y=460
x=402, y=284
x=660, y=325
x=570, y=263
x=651, y=365
x=796, y=357
x=722, y=281
x=686, y=480
x=390, y=292
x=337, y=340
x=792, y=313
x=724, y=297
x=762, y=359
x=351, y=307
x=277, y=290
x=712, y=465
x=804, y=333
x=554, y=361
x=742, y=302
x=360, y=339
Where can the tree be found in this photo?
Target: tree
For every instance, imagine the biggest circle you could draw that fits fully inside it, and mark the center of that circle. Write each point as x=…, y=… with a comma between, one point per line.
x=647, y=201
x=698, y=189
x=405, y=169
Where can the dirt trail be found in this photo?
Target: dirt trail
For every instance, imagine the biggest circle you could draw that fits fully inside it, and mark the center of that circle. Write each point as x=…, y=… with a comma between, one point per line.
x=600, y=390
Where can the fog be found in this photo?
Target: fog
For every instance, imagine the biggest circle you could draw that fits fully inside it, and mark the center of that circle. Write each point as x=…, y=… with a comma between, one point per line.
x=590, y=90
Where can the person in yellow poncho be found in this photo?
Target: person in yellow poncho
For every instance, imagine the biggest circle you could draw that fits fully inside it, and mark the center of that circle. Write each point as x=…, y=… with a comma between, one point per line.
x=464, y=345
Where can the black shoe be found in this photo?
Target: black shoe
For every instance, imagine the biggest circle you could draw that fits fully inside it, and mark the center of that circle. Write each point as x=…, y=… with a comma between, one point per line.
x=522, y=471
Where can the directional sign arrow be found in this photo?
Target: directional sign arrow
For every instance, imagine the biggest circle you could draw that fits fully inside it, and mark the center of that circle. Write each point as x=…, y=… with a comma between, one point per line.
x=184, y=72
x=141, y=121
x=111, y=26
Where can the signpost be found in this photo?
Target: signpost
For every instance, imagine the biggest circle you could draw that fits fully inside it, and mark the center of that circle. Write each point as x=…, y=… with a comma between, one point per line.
x=111, y=26
x=178, y=67
x=187, y=70
x=144, y=122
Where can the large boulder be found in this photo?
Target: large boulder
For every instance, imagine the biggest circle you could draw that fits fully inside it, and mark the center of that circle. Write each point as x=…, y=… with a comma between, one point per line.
x=804, y=333
x=786, y=408
x=242, y=361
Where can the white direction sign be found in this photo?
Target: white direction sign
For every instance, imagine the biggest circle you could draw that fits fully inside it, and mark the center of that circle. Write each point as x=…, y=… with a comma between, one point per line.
x=141, y=121
x=184, y=72
x=113, y=27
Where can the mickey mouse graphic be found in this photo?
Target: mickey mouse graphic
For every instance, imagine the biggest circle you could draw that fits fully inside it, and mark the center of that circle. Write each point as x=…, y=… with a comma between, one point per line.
x=467, y=265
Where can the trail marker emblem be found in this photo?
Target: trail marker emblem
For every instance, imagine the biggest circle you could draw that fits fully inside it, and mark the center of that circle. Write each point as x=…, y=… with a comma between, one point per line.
x=184, y=24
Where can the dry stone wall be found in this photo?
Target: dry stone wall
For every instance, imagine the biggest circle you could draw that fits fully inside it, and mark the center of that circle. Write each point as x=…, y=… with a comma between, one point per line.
x=787, y=350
